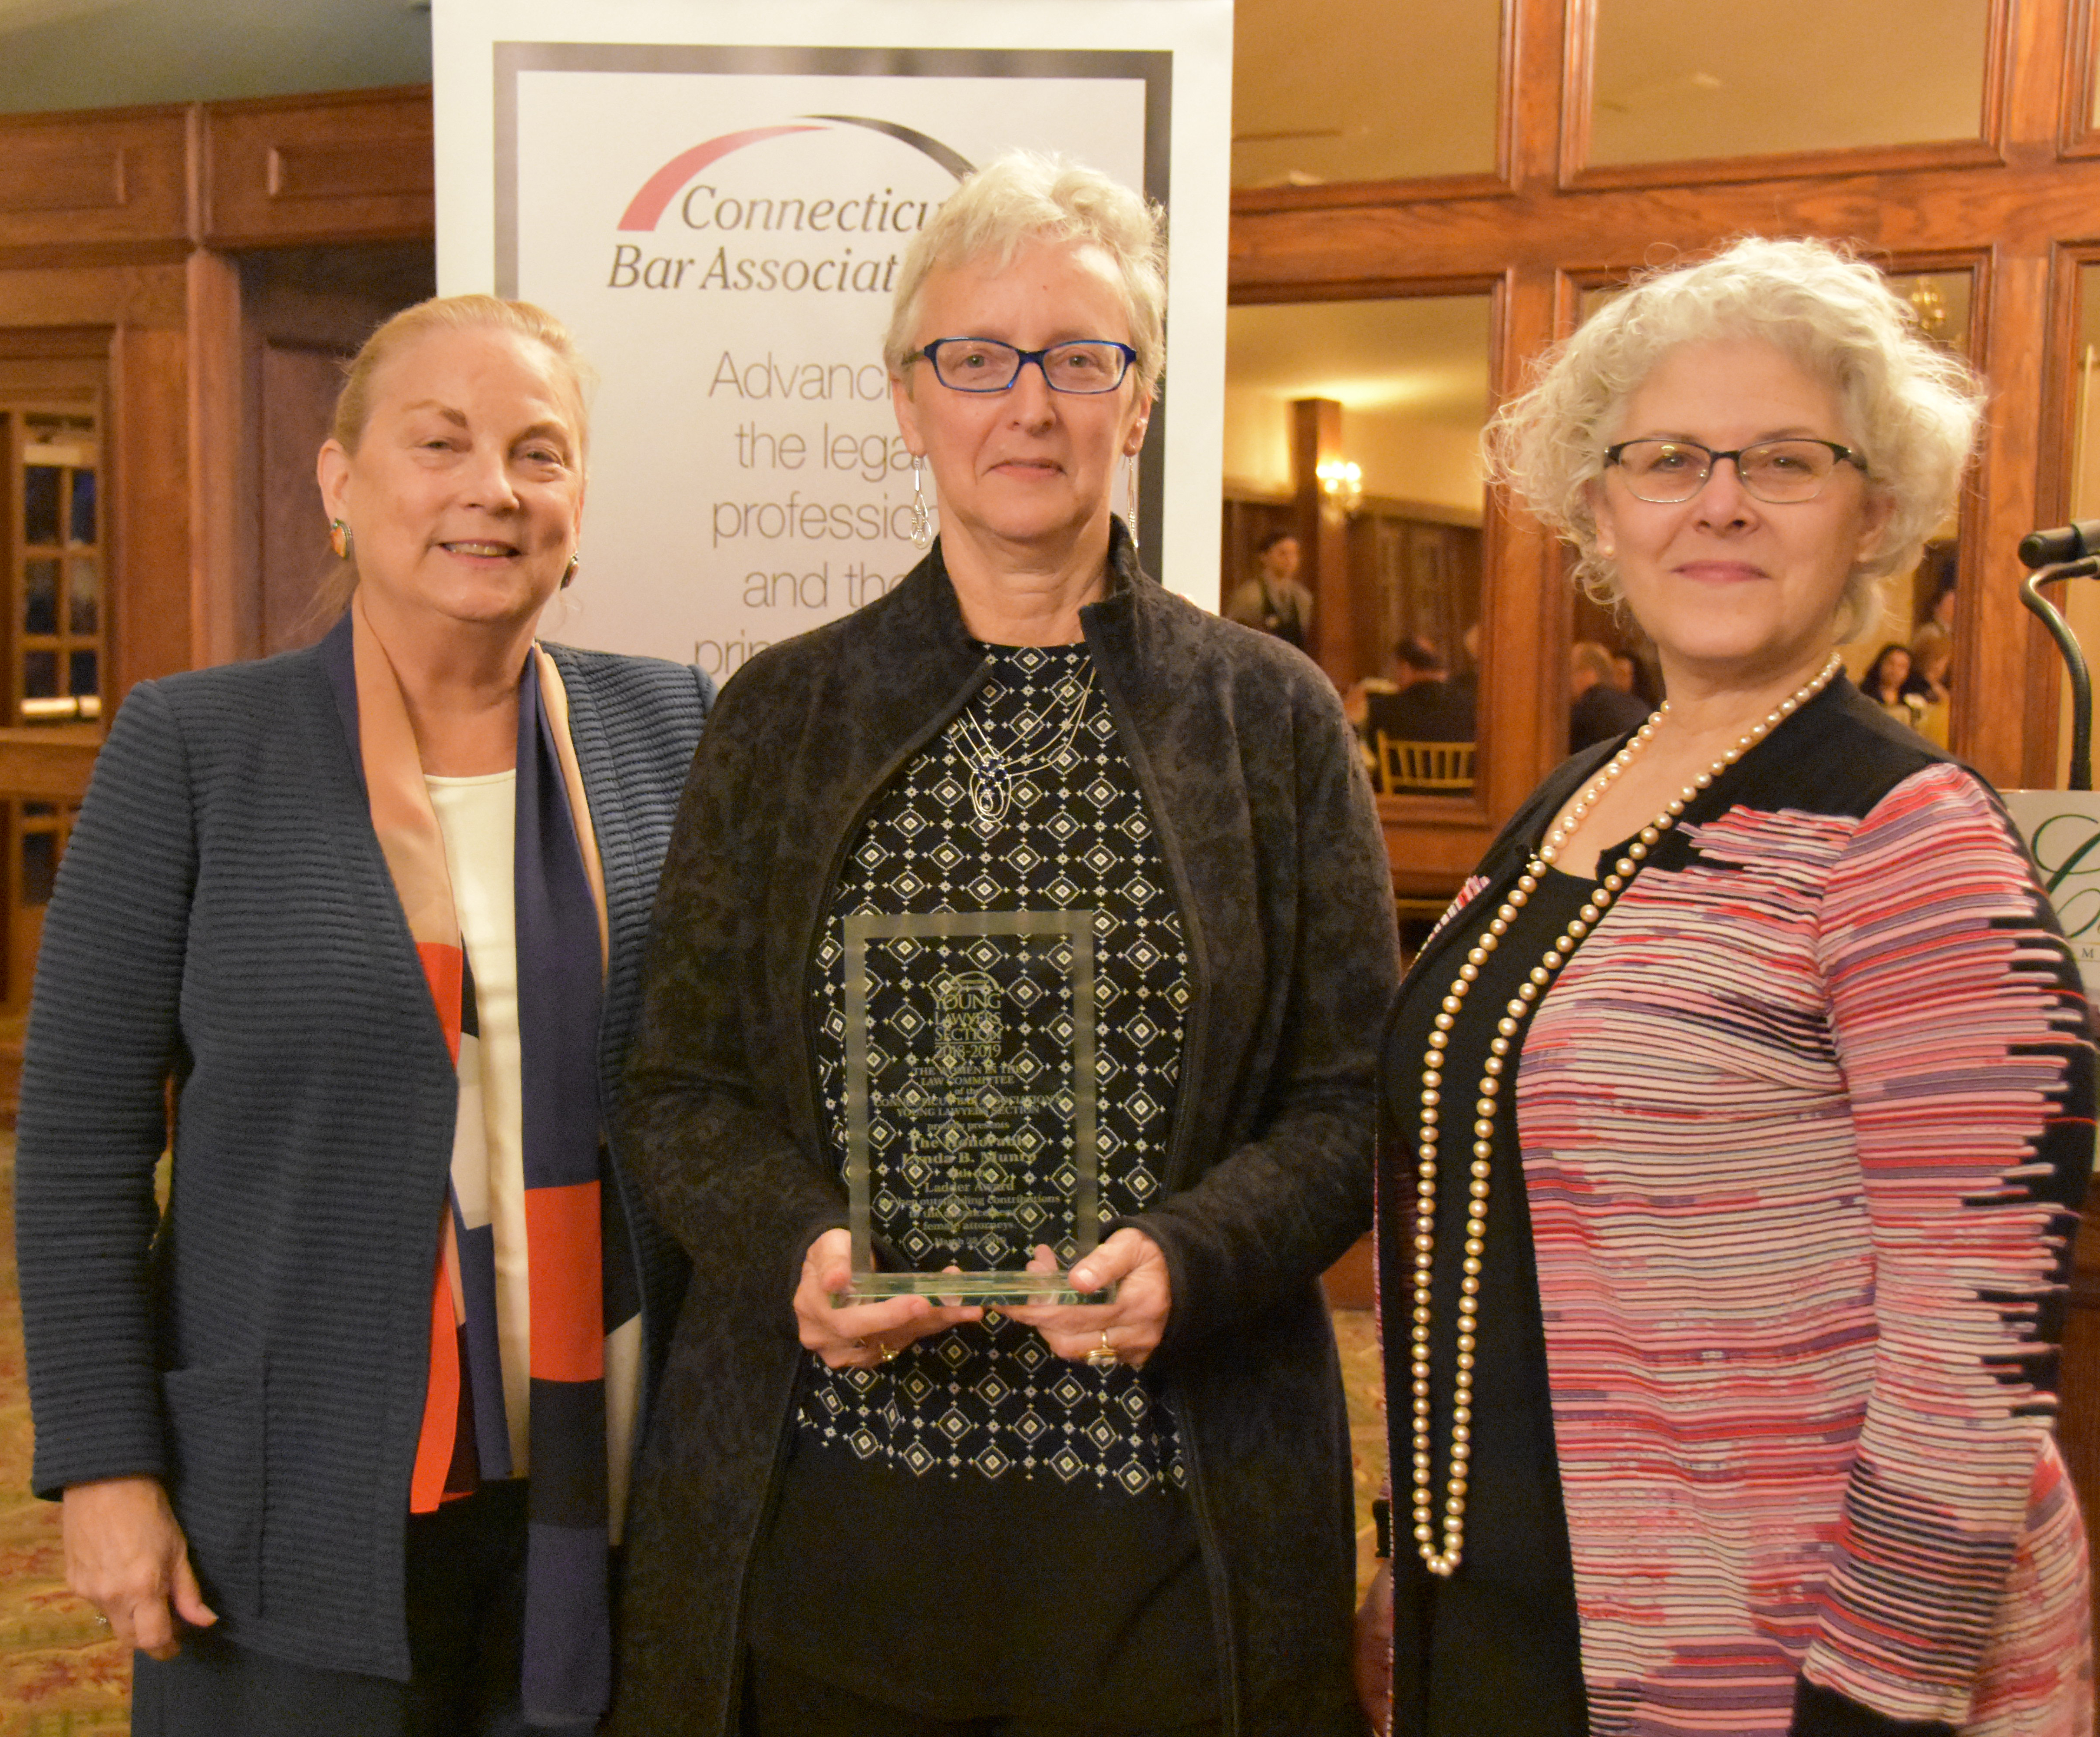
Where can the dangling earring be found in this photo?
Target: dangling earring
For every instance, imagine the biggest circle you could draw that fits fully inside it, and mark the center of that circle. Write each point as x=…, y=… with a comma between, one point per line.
x=339, y=539
x=922, y=524
x=1130, y=492
x=569, y=572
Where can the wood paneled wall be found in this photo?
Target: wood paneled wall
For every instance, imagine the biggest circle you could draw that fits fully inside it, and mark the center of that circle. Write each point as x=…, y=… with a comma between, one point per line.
x=2018, y=207
x=172, y=247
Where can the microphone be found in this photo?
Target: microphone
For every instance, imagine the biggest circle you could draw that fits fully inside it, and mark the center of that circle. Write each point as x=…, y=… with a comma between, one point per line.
x=2072, y=542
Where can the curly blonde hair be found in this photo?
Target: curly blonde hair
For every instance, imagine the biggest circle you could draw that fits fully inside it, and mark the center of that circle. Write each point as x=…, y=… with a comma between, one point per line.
x=1910, y=408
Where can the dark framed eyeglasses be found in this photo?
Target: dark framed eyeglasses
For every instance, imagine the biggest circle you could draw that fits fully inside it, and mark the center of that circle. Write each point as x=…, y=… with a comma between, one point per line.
x=1667, y=472
x=1084, y=365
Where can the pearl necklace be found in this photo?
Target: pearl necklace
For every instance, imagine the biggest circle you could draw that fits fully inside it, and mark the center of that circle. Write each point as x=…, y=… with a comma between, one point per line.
x=1442, y=1558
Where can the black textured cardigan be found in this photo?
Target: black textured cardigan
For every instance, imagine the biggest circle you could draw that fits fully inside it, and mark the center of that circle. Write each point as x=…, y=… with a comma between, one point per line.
x=1279, y=871
x=224, y=916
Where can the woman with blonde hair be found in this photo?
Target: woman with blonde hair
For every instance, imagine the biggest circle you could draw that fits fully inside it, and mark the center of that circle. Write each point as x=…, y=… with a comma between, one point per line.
x=1736, y=1118
x=343, y=1435
x=871, y=1518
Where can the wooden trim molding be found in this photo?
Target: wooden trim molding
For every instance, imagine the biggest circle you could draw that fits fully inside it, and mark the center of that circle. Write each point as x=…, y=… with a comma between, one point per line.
x=351, y=166
x=141, y=186
x=2077, y=135
x=1790, y=165
x=95, y=186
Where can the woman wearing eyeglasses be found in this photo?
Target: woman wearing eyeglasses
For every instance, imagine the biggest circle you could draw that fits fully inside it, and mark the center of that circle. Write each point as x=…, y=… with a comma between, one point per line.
x=1734, y=1121
x=1124, y=1517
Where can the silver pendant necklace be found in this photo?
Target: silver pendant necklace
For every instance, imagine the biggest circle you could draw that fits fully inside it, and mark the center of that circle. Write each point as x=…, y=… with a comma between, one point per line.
x=993, y=769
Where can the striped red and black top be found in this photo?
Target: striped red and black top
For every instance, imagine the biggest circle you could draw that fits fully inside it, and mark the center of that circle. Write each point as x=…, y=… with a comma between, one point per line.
x=1803, y=1124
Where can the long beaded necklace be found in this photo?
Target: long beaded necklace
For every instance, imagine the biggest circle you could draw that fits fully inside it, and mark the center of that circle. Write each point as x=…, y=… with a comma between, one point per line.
x=1442, y=1556
x=993, y=769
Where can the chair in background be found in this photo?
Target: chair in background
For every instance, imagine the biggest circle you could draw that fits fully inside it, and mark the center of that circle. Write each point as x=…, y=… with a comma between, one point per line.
x=1420, y=768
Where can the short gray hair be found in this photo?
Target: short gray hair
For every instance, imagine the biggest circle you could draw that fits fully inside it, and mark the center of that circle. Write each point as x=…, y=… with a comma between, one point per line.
x=1911, y=408
x=1023, y=196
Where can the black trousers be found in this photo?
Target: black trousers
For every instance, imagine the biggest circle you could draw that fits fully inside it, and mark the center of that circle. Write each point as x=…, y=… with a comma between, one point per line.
x=465, y=1589
x=780, y=1701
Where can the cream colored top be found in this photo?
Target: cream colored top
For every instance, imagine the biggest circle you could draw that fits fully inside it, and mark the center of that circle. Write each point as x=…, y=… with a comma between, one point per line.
x=478, y=818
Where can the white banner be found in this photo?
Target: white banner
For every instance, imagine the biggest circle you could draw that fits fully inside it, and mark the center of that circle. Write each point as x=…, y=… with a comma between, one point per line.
x=714, y=196
x=2062, y=830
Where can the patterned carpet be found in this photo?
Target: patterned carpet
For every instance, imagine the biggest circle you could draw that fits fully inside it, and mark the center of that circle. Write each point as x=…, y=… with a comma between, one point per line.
x=60, y=1678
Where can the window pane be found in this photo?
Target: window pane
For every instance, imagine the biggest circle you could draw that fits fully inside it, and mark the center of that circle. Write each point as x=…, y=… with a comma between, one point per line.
x=1787, y=75
x=1324, y=97
x=55, y=585
x=84, y=595
x=40, y=596
x=1397, y=391
x=40, y=503
x=39, y=866
x=83, y=506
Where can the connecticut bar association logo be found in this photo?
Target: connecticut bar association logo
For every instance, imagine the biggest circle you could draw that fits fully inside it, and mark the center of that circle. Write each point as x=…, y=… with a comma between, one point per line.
x=842, y=238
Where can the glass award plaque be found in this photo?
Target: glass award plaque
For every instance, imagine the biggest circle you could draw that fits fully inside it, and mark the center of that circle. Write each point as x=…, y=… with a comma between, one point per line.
x=970, y=1103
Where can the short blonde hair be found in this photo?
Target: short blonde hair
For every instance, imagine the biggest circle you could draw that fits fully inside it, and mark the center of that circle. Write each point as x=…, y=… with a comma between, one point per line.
x=468, y=313
x=1023, y=196
x=1910, y=408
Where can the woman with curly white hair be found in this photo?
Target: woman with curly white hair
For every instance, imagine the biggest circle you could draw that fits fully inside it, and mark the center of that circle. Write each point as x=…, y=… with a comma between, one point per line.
x=1734, y=1117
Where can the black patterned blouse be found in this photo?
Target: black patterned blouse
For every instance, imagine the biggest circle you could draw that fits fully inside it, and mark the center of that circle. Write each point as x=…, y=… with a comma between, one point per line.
x=1073, y=835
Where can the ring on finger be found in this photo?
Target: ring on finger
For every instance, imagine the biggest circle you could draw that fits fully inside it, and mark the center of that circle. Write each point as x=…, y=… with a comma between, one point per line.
x=887, y=1351
x=1103, y=1355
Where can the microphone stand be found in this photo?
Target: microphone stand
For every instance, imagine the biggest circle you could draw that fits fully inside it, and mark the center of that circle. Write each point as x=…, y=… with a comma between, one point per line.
x=2074, y=658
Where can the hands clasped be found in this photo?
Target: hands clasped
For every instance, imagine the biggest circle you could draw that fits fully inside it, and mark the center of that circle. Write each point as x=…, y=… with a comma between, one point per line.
x=861, y=1335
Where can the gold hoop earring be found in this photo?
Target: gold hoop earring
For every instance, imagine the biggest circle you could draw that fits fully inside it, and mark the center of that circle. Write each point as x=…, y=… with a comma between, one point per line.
x=569, y=572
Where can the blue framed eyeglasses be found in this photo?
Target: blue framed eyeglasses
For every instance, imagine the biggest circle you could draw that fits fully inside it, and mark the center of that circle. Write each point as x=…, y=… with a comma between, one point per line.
x=1080, y=365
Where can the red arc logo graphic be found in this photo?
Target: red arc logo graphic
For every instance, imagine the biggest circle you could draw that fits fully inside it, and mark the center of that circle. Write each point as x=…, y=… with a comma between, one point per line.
x=645, y=209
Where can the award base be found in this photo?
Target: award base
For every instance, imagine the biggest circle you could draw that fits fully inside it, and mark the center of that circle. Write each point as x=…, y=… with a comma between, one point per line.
x=991, y=1289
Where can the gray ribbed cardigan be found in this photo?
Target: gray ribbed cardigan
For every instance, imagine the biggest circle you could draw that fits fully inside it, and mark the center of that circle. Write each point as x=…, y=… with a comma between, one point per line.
x=223, y=917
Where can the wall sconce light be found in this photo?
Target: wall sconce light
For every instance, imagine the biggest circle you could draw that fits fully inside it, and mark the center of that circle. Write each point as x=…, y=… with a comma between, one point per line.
x=1341, y=485
x=1931, y=307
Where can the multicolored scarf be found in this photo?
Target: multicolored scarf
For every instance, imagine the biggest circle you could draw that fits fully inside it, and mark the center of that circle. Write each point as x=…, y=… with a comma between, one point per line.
x=581, y=1277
